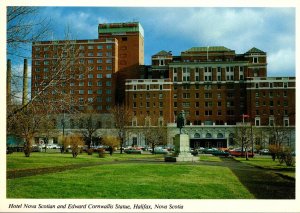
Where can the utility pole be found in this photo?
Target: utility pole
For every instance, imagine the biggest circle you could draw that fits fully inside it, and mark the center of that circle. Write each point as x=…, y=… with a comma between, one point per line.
x=25, y=84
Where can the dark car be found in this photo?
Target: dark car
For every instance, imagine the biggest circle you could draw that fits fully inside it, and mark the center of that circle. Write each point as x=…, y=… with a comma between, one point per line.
x=133, y=151
x=220, y=153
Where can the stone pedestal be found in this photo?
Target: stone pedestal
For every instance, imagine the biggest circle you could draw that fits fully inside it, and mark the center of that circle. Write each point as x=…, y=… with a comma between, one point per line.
x=182, y=147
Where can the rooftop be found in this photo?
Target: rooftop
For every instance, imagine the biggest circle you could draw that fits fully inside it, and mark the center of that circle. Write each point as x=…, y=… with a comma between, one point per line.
x=208, y=48
x=120, y=28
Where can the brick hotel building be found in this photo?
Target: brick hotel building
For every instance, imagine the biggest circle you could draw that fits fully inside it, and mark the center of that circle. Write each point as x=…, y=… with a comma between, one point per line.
x=214, y=86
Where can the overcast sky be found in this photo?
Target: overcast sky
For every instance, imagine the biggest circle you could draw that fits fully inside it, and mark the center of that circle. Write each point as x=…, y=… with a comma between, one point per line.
x=177, y=29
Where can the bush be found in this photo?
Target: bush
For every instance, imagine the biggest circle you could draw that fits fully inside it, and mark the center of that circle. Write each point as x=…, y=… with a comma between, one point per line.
x=90, y=151
x=75, y=142
x=101, y=152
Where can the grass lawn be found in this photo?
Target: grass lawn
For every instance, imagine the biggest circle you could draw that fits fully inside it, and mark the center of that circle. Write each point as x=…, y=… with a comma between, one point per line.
x=210, y=158
x=17, y=160
x=268, y=163
x=124, y=180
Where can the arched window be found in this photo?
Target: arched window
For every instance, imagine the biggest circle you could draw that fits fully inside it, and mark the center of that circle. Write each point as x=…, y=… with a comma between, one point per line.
x=208, y=135
x=197, y=135
x=220, y=135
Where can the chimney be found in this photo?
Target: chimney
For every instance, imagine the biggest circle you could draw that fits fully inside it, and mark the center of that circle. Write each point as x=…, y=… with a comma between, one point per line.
x=25, y=84
x=8, y=83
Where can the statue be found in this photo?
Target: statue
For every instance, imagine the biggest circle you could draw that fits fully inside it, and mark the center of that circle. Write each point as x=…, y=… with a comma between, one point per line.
x=180, y=120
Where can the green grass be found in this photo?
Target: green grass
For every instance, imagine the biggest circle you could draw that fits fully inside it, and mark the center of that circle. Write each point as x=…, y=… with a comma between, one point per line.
x=18, y=161
x=210, y=158
x=268, y=163
x=124, y=180
x=134, y=180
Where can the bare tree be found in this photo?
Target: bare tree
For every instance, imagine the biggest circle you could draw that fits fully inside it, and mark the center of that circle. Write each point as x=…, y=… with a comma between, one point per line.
x=26, y=125
x=242, y=137
x=88, y=125
x=24, y=26
x=122, y=117
x=279, y=141
x=155, y=135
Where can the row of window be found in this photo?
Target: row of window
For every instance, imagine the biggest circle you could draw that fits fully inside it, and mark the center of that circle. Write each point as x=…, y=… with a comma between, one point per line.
x=207, y=78
x=271, y=94
x=80, y=76
x=271, y=103
x=208, y=104
x=207, y=69
x=81, y=47
x=72, y=92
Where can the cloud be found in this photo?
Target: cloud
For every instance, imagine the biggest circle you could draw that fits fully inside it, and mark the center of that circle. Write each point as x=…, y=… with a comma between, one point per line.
x=281, y=61
x=177, y=29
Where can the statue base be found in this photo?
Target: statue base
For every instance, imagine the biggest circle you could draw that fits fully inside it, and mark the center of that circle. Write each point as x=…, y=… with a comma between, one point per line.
x=182, y=147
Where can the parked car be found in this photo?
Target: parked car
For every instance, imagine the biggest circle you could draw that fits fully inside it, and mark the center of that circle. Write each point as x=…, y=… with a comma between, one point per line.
x=194, y=152
x=220, y=153
x=53, y=146
x=209, y=150
x=133, y=151
x=264, y=152
x=239, y=153
x=160, y=150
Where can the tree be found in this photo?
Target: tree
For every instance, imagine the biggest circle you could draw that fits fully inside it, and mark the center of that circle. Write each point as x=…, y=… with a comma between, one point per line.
x=26, y=125
x=155, y=135
x=242, y=137
x=122, y=116
x=110, y=141
x=24, y=26
x=279, y=140
x=88, y=126
x=75, y=141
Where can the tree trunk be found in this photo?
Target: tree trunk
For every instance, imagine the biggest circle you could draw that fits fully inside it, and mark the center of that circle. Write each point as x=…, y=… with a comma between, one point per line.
x=121, y=143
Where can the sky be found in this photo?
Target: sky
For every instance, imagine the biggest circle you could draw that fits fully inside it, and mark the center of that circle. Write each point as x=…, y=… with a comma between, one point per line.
x=179, y=28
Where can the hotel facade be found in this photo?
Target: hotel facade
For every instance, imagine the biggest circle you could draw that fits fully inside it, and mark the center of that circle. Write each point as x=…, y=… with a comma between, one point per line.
x=216, y=88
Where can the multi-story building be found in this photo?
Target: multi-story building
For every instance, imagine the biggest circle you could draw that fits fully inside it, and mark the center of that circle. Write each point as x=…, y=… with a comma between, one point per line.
x=82, y=71
x=215, y=87
x=217, y=90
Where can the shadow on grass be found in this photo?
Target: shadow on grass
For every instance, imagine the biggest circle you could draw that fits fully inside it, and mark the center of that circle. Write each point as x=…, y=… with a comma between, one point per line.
x=262, y=183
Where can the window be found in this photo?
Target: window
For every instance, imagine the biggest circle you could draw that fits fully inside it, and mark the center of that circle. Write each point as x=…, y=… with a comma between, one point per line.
x=90, y=47
x=208, y=95
x=81, y=83
x=99, y=99
x=99, y=91
x=99, y=75
x=108, y=91
x=90, y=75
x=108, y=83
x=90, y=83
x=257, y=121
x=255, y=60
x=208, y=112
x=108, y=67
x=100, y=54
x=108, y=75
x=99, y=67
x=90, y=91
x=81, y=91
x=90, y=61
x=109, y=46
x=271, y=121
x=108, y=61
x=100, y=47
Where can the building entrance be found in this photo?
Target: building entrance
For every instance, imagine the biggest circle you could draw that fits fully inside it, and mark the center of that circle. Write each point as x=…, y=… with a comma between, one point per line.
x=208, y=143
